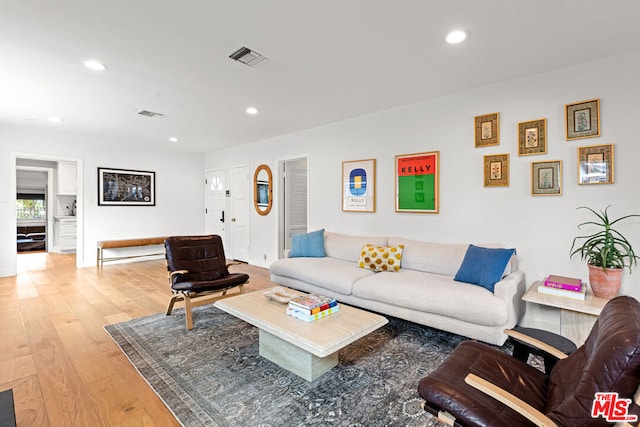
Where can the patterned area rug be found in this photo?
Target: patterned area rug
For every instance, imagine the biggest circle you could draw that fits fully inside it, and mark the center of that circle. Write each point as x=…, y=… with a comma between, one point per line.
x=213, y=375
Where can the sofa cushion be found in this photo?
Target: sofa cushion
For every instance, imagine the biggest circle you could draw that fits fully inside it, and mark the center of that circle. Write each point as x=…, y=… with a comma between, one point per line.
x=347, y=248
x=307, y=244
x=439, y=258
x=330, y=273
x=483, y=266
x=434, y=293
x=380, y=258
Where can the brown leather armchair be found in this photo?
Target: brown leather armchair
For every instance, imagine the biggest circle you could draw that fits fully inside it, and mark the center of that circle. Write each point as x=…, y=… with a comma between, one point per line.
x=479, y=385
x=198, y=268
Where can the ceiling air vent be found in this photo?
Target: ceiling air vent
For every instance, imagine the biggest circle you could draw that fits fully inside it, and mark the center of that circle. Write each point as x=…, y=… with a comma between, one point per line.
x=147, y=113
x=247, y=56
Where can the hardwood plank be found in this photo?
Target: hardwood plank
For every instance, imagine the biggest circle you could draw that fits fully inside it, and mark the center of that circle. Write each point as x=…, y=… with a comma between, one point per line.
x=114, y=408
x=29, y=402
x=64, y=393
x=64, y=368
x=14, y=369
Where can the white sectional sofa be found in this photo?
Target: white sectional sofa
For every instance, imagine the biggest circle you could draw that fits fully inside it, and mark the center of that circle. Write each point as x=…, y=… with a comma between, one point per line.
x=423, y=291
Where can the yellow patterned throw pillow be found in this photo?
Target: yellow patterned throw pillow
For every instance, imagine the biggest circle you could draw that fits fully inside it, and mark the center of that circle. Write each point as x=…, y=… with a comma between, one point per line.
x=381, y=258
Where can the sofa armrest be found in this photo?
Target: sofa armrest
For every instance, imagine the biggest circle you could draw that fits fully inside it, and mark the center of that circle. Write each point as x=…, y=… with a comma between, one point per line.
x=511, y=289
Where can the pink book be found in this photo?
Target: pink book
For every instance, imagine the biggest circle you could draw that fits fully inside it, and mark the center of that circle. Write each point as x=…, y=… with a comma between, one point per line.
x=561, y=282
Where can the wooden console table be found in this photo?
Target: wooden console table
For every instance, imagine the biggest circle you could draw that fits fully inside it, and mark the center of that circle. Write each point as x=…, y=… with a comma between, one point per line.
x=576, y=317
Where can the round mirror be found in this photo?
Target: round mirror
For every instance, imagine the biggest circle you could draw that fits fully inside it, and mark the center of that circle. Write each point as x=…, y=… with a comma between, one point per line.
x=262, y=190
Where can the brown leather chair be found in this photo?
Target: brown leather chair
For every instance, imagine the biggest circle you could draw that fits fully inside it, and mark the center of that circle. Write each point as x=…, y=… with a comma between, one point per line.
x=198, y=268
x=479, y=385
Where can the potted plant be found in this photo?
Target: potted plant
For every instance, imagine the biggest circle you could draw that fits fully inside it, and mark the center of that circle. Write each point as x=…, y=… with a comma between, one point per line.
x=607, y=253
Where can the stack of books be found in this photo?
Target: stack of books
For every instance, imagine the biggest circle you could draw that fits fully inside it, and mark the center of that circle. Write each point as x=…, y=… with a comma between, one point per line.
x=312, y=307
x=564, y=287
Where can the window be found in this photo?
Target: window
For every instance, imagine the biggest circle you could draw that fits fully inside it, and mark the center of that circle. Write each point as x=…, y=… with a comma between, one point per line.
x=30, y=206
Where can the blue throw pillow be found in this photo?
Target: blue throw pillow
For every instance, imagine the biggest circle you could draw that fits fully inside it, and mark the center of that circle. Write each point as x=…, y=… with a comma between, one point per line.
x=483, y=266
x=307, y=244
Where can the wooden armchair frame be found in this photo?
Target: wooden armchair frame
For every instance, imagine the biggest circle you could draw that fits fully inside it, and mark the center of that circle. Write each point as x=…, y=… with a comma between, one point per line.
x=194, y=299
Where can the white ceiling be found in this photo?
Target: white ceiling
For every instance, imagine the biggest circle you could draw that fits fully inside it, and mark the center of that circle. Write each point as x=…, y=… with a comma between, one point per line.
x=330, y=60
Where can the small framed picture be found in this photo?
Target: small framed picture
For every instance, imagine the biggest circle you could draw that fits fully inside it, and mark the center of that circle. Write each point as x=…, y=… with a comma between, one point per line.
x=496, y=170
x=359, y=185
x=595, y=164
x=582, y=119
x=487, y=130
x=532, y=137
x=546, y=178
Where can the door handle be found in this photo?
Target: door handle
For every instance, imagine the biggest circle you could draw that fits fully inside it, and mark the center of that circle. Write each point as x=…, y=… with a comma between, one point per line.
x=222, y=217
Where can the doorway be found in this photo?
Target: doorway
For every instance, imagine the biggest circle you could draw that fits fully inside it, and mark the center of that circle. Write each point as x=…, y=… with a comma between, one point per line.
x=294, y=201
x=34, y=213
x=240, y=208
x=214, y=219
x=38, y=160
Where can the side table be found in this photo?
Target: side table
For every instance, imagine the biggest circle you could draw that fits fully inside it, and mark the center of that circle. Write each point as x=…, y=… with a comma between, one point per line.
x=576, y=317
x=521, y=350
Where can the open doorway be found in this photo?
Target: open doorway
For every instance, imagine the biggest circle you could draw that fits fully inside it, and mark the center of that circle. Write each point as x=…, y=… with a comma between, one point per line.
x=59, y=203
x=293, y=201
x=34, y=186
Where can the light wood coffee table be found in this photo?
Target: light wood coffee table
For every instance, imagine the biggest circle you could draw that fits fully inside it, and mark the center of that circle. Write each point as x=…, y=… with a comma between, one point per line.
x=306, y=349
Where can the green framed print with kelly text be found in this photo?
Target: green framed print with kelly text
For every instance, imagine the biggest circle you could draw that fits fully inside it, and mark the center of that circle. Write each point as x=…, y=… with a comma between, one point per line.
x=417, y=182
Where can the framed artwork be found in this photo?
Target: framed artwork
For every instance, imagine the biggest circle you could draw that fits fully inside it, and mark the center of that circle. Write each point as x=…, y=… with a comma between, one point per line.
x=532, y=137
x=417, y=182
x=487, y=130
x=119, y=187
x=496, y=170
x=546, y=178
x=359, y=186
x=582, y=119
x=595, y=164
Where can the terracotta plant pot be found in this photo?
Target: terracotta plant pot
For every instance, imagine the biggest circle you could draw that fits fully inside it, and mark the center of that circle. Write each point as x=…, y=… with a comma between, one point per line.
x=605, y=283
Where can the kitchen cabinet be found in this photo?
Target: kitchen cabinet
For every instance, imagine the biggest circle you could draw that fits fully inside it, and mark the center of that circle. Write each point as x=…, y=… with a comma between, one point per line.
x=65, y=233
x=67, y=178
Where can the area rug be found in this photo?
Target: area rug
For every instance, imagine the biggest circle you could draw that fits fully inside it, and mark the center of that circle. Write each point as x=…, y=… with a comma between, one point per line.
x=214, y=376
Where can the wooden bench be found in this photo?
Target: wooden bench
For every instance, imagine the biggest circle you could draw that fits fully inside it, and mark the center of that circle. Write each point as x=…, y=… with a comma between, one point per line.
x=126, y=243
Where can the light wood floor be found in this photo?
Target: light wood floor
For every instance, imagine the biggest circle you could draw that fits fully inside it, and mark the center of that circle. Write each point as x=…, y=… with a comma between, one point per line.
x=54, y=353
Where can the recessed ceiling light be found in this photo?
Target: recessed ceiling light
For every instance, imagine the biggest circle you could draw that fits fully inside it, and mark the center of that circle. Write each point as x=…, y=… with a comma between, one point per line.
x=456, y=36
x=252, y=111
x=95, y=65
x=173, y=139
x=55, y=119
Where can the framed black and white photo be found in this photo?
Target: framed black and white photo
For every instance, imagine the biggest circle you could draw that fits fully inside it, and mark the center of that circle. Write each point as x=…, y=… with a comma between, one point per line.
x=119, y=187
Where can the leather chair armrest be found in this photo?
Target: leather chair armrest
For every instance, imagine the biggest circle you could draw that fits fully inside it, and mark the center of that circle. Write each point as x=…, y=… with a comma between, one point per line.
x=172, y=274
x=536, y=343
x=503, y=396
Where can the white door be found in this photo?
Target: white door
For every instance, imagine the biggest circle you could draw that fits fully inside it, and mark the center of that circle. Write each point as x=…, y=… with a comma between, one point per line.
x=240, y=208
x=294, y=201
x=214, y=215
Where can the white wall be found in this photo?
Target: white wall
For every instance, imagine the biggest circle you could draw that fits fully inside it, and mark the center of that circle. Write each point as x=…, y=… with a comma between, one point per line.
x=179, y=188
x=541, y=228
